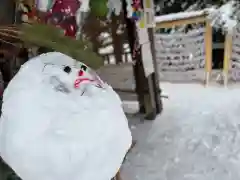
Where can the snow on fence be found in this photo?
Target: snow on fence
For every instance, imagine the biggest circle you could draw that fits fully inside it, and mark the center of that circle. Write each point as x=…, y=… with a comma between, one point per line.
x=188, y=54
x=184, y=54
x=181, y=51
x=231, y=65
x=181, y=55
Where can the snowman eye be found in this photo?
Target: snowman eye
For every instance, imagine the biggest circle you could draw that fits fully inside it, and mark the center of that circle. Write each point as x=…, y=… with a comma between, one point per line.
x=67, y=69
x=83, y=67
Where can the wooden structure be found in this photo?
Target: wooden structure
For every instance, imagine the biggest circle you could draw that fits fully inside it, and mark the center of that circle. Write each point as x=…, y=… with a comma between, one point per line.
x=227, y=57
x=145, y=86
x=186, y=18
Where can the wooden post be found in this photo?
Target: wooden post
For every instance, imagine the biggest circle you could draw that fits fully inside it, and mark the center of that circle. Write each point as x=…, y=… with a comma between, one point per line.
x=208, y=51
x=138, y=71
x=227, y=57
x=155, y=75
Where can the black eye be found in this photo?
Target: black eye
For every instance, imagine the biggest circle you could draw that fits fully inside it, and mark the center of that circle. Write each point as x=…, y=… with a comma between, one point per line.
x=67, y=69
x=83, y=67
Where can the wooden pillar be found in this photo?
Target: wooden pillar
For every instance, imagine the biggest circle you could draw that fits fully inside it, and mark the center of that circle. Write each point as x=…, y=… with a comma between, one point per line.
x=7, y=12
x=138, y=71
x=208, y=51
x=155, y=75
x=227, y=57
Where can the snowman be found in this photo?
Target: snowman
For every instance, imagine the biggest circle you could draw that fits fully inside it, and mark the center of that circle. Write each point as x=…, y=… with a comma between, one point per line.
x=67, y=123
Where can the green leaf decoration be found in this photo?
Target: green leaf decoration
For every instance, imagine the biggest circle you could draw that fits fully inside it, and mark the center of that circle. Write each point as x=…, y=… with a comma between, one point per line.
x=99, y=7
x=51, y=37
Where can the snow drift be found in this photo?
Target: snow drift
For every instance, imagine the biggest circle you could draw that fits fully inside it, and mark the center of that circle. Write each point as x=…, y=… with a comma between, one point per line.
x=60, y=121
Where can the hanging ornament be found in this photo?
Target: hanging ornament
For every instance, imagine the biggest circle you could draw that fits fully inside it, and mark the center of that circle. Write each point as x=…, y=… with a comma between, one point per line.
x=62, y=14
x=55, y=18
x=136, y=10
x=137, y=4
x=67, y=7
x=69, y=25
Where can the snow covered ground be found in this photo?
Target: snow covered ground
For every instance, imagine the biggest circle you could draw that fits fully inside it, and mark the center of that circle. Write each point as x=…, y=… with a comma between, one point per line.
x=196, y=138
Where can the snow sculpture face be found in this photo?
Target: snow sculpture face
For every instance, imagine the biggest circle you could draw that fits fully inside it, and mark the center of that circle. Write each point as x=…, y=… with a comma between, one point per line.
x=67, y=77
x=87, y=75
x=52, y=133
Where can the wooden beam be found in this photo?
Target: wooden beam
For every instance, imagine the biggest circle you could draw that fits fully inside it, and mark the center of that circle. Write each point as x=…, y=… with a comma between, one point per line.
x=179, y=22
x=155, y=75
x=208, y=51
x=227, y=57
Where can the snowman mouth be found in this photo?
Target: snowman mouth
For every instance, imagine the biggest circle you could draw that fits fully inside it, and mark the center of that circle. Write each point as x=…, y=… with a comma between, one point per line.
x=81, y=80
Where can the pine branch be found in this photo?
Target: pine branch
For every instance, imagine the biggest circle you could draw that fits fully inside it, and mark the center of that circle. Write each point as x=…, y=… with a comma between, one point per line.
x=51, y=37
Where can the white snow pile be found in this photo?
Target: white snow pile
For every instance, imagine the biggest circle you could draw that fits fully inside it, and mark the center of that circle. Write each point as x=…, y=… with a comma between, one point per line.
x=197, y=137
x=226, y=16
x=60, y=121
x=178, y=16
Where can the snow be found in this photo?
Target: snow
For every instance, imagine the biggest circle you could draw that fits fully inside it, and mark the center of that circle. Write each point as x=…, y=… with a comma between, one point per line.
x=197, y=137
x=114, y=6
x=178, y=16
x=223, y=17
x=50, y=130
x=219, y=16
x=109, y=49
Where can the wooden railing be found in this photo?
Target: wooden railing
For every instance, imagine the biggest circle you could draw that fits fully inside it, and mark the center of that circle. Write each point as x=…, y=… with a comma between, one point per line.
x=165, y=22
x=180, y=20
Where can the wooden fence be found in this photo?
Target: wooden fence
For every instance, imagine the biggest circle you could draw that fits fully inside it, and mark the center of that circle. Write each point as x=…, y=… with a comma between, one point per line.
x=167, y=23
x=231, y=61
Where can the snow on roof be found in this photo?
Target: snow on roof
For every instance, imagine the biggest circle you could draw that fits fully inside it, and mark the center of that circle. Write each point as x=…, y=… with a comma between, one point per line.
x=223, y=17
x=178, y=16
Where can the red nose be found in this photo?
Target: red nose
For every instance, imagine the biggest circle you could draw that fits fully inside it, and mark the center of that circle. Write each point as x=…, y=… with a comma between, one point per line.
x=80, y=73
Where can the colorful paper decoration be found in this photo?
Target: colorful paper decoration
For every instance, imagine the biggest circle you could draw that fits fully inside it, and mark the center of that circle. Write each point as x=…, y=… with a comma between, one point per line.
x=137, y=10
x=69, y=26
x=149, y=16
x=67, y=7
x=62, y=15
x=148, y=4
